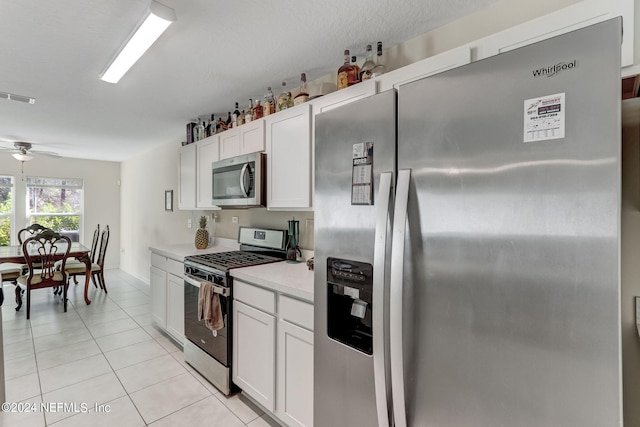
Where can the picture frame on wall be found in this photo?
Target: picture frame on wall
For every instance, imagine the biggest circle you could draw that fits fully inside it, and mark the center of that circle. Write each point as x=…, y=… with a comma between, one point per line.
x=168, y=200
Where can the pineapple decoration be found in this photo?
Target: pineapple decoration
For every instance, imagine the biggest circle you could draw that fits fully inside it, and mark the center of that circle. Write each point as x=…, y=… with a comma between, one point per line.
x=202, y=234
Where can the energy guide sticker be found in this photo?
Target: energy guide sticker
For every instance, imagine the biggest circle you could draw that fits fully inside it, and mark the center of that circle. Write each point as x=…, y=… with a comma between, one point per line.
x=362, y=174
x=544, y=118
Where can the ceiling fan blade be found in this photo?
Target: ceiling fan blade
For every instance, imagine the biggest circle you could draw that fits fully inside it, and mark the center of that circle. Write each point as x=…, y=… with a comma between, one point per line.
x=44, y=153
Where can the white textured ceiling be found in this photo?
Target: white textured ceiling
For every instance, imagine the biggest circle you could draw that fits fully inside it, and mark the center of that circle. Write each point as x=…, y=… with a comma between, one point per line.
x=216, y=53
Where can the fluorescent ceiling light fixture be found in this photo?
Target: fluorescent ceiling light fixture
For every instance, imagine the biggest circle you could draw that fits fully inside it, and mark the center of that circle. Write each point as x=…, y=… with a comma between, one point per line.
x=22, y=157
x=157, y=19
x=16, y=97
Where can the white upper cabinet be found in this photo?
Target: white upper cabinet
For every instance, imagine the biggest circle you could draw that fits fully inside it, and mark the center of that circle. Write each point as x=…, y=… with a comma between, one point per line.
x=187, y=193
x=578, y=15
x=343, y=96
x=424, y=68
x=207, y=152
x=230, y=143
x=245, y=139
x=288, y=147
x=252, y=137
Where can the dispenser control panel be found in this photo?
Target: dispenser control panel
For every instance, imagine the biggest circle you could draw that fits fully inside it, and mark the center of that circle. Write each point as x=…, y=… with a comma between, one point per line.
x=349, y=303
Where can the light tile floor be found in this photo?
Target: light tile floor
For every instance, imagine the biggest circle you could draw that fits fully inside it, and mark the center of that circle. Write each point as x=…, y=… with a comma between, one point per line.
x=107, y=353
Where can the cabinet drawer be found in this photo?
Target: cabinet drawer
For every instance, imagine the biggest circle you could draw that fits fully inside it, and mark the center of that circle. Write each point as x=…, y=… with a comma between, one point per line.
x=175, y=267
x=296, y=311
x=254, y=296
x=159, y=261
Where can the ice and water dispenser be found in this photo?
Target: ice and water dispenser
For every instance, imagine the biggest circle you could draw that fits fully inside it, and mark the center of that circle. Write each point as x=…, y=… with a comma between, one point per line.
x=349, y=297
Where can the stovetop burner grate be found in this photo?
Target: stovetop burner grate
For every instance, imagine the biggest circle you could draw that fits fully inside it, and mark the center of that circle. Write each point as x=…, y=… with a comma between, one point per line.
x=232, y=259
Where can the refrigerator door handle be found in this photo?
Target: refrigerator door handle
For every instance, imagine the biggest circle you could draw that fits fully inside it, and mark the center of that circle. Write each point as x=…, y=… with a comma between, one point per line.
x=395, y=299
x=379, y=256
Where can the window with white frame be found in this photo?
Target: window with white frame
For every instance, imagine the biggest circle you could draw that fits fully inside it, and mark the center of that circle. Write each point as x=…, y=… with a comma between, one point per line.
x=7, y=222
x=56, y=203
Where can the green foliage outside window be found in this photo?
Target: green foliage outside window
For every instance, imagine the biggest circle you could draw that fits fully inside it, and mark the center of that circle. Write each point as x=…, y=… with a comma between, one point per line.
x=5, y=222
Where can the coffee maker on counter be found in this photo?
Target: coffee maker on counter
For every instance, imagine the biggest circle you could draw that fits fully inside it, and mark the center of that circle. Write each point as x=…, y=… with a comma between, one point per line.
x=293, y=250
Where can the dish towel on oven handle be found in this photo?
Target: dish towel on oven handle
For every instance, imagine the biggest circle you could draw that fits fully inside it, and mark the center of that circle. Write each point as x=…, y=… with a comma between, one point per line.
x=209, y=308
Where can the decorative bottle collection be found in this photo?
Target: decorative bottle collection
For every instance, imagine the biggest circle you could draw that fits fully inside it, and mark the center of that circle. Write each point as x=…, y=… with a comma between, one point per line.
x=348, y=74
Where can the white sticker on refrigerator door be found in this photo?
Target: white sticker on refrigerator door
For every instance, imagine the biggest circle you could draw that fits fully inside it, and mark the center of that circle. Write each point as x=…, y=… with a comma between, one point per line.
x=362, y=174
x=544, y=118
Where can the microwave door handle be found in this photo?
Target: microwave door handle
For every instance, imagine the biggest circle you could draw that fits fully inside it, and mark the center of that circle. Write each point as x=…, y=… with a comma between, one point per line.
x=243, y=172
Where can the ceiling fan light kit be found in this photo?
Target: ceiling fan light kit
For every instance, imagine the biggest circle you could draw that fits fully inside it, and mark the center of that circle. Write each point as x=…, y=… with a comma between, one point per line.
x=156, y=20
x=22, y=157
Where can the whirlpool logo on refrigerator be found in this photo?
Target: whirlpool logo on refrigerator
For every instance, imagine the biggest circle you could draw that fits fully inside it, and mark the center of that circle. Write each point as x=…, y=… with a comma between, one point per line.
x=554, y=69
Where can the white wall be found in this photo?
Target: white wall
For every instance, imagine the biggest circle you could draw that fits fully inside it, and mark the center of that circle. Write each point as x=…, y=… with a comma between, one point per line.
x=101, y=194
x=144, y=220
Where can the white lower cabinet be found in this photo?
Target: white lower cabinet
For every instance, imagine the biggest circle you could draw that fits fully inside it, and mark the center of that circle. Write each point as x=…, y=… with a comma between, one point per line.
x=167, y=295
x=158, y=284
x=273, y=352
x=175, y=307
x=254, y=352
x=295, y=375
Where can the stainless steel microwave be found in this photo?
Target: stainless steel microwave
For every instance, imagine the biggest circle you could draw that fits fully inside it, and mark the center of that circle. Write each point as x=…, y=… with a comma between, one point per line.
x=238, y=182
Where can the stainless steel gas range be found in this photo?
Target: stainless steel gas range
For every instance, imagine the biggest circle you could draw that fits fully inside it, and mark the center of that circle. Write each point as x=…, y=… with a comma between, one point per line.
x=207, y=351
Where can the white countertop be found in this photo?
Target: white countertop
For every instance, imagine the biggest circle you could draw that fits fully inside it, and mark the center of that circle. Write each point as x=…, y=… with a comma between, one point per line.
x=290, y=279
x=178, y=252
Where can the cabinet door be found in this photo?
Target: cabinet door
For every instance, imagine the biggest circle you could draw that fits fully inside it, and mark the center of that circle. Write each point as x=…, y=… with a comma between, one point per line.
x=576, y=16
x=252, y=137
x=230, y=143
x=254, y=353
x=207, y=153
x=343, y=96
x=158, y=282
x=295, y=375
x=427, y=67
x=187, y=193
x=175, y=307
x=288, y=143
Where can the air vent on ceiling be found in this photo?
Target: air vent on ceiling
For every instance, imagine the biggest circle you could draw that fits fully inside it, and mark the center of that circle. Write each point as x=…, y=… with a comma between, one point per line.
x=15, y=97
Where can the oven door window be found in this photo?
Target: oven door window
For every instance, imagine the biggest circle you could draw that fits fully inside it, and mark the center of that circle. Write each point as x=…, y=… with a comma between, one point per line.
x=196, y=331
x=234, y=182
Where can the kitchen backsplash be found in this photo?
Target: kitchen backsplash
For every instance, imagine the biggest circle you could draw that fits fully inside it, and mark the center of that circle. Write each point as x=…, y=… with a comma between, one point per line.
x=257, y=217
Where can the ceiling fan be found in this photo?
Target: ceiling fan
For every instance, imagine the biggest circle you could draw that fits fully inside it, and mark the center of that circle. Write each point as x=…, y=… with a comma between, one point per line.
x=22, y=151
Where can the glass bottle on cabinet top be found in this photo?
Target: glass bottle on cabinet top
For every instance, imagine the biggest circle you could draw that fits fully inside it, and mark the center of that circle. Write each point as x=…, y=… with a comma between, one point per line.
x=198, y=131
x=269, y=106
x=257, y=111
x=347, y=73
x=235, y=117
x=248, y=115
x=284, y=99
x=303, y=95
x=379, y=69
x=367, y=67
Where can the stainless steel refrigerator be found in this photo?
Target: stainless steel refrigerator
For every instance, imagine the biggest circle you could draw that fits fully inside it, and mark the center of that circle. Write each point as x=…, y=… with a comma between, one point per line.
x=467, y=268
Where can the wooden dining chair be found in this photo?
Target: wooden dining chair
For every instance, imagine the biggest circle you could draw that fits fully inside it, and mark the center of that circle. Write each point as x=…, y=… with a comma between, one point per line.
x=29, y=231
x=97, y=268
x=74, y=264
x=10, y=271
x=41, y=252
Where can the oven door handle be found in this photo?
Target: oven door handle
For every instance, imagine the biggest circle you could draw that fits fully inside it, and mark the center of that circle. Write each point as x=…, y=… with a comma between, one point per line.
x=194, y=281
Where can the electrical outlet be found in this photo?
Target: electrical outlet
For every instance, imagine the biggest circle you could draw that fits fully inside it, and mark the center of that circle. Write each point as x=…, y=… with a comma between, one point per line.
x=215, y=218
x=189, y=223
x=234, y=219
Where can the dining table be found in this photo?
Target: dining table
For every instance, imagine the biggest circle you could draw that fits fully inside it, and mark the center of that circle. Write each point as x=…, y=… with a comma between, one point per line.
x=78, y=251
